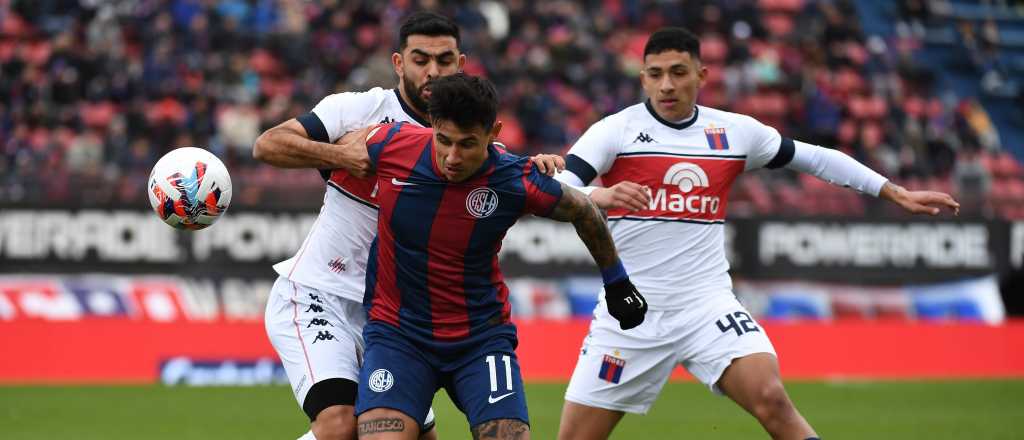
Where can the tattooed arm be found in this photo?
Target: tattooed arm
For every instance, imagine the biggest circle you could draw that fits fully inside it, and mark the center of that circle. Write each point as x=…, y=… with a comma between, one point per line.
x=624, y=302
x=578, y=209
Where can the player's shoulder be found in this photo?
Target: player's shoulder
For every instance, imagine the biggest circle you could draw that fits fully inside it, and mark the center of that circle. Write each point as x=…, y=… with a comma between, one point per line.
x=376, y=95
x=510, y=166
x=398, y=132
x=723, y=118
x=353, y=104
x=624, y=117
x=507, y=159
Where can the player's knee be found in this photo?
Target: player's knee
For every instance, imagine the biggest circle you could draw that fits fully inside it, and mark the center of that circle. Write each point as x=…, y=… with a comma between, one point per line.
x=501, y=429
x=335, y=423
x=771, y=402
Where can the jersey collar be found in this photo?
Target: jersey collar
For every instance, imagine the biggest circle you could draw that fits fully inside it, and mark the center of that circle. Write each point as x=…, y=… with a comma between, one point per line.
x=679, y=126
x=409, y=111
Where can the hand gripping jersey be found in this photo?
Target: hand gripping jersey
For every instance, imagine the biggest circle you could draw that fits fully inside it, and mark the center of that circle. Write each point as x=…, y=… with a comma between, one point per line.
x=333, y=257
x=433, y=269
x=674, y=250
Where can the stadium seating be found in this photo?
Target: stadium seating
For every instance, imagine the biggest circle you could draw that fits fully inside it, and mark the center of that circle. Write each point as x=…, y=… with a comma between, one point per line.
x=140, y=80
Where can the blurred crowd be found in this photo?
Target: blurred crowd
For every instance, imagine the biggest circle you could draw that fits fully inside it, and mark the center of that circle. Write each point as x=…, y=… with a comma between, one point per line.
x=93, y=92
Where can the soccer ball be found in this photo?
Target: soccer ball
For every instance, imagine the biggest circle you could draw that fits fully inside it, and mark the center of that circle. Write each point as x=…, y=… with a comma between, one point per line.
x=189, y=188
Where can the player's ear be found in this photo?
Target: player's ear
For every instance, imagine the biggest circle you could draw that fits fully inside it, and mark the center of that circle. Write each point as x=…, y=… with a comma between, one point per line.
x=495, y=130
x=462, y=61
x=396, y=60
x=702, y=74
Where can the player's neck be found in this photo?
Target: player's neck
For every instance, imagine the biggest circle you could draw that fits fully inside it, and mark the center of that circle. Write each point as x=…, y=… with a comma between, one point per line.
x=408, y=105
x=678, y=120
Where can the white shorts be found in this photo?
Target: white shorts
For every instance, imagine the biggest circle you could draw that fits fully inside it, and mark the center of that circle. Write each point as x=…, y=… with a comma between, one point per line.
x=625, y=370
x=318, y=336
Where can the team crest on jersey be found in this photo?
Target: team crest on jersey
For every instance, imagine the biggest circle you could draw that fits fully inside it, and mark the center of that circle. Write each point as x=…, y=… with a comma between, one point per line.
x=482, y=202
x=381, y=380
x=716, y=138
x=611, y=368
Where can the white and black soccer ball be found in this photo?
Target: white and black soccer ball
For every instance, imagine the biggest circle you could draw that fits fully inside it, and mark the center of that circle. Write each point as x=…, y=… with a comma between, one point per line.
x=189, y=188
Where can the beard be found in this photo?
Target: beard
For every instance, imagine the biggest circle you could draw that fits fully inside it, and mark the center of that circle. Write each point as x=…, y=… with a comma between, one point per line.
x=415, y=95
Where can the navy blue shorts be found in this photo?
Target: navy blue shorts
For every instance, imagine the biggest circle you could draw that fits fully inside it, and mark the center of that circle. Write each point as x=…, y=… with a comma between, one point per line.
x=483, y=380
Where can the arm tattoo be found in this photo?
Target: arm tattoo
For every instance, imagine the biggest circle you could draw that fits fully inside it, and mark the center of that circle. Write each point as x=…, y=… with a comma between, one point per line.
x=590, y=225
x=501, y=429
x=375, y=426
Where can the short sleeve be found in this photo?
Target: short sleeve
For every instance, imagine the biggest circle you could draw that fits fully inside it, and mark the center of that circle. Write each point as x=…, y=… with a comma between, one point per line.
x=542, y=191
x=341, y=113
x=594, y=152
x=763, y=143
x=378, y=139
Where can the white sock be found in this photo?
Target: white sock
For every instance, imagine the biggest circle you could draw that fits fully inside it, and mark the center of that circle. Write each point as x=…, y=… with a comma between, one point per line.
x=307, y=436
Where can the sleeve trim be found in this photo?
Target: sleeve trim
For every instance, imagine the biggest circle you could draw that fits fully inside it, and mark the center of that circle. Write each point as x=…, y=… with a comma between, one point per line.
x=580, y=168
x=314, y=127
x=784, y=156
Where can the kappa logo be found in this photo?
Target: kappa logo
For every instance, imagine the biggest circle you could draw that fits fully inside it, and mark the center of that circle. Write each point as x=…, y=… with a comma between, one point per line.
x=381, y=380
x=323, y=336
x=482, y=202
x=387, y=120
x=644, y=138
x=687, y=175
x=337, y=265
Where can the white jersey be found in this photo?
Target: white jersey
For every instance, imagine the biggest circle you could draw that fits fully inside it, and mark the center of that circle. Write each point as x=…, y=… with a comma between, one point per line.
x=332, y=259
x=674, y=250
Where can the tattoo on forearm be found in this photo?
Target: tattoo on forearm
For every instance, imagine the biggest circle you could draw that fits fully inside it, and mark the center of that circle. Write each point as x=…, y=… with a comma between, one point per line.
x=503, y=429
x=590, y=224
x=375, y=426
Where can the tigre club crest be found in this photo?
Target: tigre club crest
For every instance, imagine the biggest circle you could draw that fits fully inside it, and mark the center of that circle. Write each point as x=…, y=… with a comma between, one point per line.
x=481, y=202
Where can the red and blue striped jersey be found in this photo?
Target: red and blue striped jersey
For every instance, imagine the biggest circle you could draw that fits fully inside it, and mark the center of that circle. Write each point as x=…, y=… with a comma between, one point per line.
x=433, y=269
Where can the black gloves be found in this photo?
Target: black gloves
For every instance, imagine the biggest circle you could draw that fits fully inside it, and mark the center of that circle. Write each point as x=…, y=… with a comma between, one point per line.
x=625, y=304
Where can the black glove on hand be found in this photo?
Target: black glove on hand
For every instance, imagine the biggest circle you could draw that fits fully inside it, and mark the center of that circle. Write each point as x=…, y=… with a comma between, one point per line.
x=625, y=304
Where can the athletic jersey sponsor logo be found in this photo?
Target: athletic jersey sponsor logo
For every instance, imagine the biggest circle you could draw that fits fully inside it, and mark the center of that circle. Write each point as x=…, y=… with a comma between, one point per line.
x=694, y=189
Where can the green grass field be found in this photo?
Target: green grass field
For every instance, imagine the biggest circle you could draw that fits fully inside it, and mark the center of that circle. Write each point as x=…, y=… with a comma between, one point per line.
x=851, y=410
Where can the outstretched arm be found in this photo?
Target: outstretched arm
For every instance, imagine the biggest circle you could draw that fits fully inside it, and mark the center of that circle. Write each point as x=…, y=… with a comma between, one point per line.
x=918, y=202
x=578, y=209
x=839, y=169
x=624, y=302
x=288, y=145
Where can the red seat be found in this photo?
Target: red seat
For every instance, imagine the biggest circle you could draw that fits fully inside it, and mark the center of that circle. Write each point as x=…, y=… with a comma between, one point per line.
x=713, y=49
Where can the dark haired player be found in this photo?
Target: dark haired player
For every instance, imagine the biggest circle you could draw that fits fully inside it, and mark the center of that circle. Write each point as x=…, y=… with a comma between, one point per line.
x=314, y=317
x=437, y=305
x=667, y=166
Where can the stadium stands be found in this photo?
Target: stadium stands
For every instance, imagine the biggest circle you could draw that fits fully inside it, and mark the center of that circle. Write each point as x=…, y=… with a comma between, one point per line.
x=91, y=96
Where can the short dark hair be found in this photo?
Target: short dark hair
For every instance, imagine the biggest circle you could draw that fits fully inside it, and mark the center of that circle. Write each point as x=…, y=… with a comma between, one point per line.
x=468, y=101
x=673, y=38
x=426, y=23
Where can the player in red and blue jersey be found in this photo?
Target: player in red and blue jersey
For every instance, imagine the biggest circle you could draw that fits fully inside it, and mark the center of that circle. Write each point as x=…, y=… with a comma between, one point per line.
x=438, y=309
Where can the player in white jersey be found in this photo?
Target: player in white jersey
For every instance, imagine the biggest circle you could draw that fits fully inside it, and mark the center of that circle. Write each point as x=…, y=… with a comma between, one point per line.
x=667, y=166
x=314, y=314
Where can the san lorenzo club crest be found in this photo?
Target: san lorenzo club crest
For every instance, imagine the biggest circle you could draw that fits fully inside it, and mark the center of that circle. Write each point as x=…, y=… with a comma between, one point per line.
x=482, y=202
x=381, y=380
